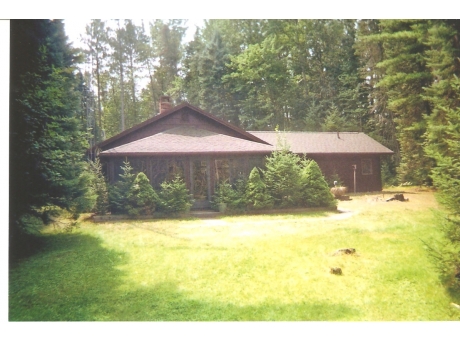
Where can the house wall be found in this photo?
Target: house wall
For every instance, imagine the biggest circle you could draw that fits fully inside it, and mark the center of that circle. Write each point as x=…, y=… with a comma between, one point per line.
x=184, y=116
x=201, y=173
x=368, y=174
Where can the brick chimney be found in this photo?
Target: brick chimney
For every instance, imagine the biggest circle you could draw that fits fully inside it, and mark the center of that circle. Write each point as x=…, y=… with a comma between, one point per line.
x=165, y=103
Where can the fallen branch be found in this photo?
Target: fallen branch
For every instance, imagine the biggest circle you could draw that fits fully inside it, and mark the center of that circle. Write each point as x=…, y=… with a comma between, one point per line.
x=344, y=251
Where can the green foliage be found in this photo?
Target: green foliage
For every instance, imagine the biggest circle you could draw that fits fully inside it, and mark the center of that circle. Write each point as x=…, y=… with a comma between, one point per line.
x=95, y=196
x=142, y=198
x=443, y=135
x=405, y=77
x=118, y=192
x=388, y=170
x=446, y=252
x=174, y=196
x=334, y=177
x=233, y=196
x=256, y=193
x=46, y=138
x=316, y=192
x=87, y=201
x=282, y=178
x=333, y=121
x=99, y=186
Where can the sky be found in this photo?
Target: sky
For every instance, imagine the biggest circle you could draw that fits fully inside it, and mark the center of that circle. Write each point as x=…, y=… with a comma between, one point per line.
x=74, y=27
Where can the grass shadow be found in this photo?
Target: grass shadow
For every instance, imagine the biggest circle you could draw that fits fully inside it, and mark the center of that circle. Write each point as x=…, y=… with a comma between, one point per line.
x=67, y=279
x=75, y=278
x=165, y=302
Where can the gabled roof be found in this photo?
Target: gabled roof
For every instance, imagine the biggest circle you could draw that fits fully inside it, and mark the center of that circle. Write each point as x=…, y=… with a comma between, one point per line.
x=158, y=117
x=325, y=142
x=188, y=140
x=147, y=138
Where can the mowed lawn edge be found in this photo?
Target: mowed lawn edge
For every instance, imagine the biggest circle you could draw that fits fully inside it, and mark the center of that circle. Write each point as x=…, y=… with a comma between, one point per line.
x=241, y=268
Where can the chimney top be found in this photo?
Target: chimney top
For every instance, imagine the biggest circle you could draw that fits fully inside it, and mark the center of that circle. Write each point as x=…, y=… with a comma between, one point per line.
x=165, y=103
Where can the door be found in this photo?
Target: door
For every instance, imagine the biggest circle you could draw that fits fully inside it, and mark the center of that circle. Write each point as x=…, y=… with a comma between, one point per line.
x=200, y=183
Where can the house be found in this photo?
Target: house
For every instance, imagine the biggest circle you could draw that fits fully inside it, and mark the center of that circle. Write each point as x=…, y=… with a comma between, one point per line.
x=206, y=150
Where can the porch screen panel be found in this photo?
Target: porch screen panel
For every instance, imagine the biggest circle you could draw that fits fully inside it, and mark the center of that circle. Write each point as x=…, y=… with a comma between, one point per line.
x=176, y=167
x=238, y=169
x=200, y=180
x=159, y=168
x=222, y=170
x=138, y=165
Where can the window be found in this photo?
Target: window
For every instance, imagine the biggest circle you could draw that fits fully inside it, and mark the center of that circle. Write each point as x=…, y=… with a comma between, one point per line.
x=366, y=165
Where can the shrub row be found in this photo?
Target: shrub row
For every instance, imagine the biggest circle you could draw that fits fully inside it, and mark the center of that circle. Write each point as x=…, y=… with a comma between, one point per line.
x=287, y=181
x=134, y=195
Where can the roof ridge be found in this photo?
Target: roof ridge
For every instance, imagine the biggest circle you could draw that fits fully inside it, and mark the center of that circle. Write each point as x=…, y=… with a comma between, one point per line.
x=307, y=132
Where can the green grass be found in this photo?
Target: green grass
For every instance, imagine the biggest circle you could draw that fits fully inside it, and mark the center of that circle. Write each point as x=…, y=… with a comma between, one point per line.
x=272, y=267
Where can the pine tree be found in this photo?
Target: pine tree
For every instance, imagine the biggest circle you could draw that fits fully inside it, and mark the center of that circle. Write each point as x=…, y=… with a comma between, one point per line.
x=405, y=77
x=97, y=49
x=118, y=192
x=142, y=199
x=256, y=194
x=174, y=196
x=282, y=177
x=47, y=145
x=315, y=190
x=99, y=186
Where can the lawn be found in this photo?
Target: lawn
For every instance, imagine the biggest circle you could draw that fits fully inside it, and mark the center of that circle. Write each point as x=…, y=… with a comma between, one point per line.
x=260, y=267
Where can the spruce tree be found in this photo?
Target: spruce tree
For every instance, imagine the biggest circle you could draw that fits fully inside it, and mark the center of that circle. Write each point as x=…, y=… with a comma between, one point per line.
x=142, y=198
x=46, y=141
x=118, y=192
x=316, y=192
x=405, y=75
x=257, y=195
x=282, y=177
x=174, y=196
x=99, y=185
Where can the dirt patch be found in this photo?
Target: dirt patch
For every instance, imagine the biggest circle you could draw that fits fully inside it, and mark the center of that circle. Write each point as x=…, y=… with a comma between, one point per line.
x=344, y=214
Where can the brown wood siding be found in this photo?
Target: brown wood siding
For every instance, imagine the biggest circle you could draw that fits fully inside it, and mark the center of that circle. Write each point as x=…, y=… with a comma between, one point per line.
x=157, y=169
x=342, y=165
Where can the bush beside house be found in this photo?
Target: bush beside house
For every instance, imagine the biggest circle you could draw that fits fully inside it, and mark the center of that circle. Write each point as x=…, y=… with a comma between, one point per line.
x=288, y=181
x=142, y=199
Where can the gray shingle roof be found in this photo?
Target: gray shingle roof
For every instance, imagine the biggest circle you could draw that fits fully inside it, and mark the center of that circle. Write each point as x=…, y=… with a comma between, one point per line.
x=325, y=142
x=188, y=140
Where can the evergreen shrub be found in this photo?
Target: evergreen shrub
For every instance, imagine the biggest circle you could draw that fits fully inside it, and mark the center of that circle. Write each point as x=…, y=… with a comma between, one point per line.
x=94, y=195
x=142, y=198
x=316, y=192
x=118, y=192
x=174, y=196
x=99, y=187
x=282, y=178
x=257, y=195
x=86, y=202
x=233, y=196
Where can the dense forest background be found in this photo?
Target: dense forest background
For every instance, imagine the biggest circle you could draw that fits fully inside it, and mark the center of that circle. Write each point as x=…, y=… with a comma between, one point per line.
x=392, y=79
x=396, y=80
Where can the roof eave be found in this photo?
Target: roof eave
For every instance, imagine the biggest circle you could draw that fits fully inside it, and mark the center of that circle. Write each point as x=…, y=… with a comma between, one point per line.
x=134, y=154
